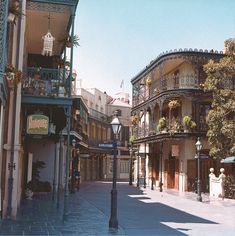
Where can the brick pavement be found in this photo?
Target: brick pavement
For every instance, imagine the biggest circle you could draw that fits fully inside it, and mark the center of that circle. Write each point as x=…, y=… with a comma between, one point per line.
x=140, y=212
x=41, y=217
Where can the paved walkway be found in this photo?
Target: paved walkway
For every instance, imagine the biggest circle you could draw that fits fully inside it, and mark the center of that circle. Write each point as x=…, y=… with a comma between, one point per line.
x=140, y=212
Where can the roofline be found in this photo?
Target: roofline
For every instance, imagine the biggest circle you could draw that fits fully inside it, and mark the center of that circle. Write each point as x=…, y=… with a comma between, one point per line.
x=175, y=52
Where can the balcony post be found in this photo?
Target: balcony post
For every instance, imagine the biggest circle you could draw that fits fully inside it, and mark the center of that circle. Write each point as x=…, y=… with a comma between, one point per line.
x=71, y=52
x=3, y=33
x=68, y=114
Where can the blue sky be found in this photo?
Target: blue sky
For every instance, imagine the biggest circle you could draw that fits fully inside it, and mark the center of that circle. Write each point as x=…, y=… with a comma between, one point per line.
x=119, y=38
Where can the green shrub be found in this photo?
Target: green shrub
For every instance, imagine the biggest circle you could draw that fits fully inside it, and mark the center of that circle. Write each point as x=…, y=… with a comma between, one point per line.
x=161, y=123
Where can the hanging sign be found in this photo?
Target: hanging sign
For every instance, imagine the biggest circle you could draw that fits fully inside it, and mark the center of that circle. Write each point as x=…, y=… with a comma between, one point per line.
x=37, y=124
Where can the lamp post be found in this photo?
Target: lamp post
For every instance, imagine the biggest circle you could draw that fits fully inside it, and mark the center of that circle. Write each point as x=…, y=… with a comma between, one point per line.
x=131, y=163
x=161, y=150
x=73, y=167
x=138, y=167
x=198, y=145
x=116, y=127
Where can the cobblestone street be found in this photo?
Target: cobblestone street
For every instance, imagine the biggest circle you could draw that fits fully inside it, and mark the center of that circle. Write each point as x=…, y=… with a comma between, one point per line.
x=166, y=213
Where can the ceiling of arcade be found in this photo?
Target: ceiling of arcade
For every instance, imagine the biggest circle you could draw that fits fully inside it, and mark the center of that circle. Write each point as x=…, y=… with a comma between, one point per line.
x=40, y=18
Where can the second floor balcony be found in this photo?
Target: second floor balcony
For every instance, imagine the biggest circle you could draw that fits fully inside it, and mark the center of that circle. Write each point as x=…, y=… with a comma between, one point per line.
x=46, y=82
x=98, y=115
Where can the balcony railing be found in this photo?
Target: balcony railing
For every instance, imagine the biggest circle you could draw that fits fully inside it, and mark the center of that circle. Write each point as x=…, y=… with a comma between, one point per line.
x=187, y=81
x=98, y=115
x=175, y=126
x=45, y=82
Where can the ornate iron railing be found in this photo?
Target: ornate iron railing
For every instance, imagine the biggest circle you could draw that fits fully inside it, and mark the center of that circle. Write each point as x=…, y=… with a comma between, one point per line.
x=46, y=82
x=185, y=81
x=98, y=115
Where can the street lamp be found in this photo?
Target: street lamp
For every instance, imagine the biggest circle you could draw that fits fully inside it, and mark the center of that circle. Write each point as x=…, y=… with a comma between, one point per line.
x=138, y=167
x=161, y=151
x=198, y=145
x=131, y=163
x=73, y=167
x=113, y=222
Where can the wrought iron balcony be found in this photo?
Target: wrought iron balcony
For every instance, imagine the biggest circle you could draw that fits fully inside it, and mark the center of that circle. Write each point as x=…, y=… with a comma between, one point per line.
x=174, y=127
x=45, y=82
x=98, y=115
x=187, y=81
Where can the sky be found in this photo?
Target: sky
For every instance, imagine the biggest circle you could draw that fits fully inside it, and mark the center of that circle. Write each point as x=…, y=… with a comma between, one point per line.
x=118, y=38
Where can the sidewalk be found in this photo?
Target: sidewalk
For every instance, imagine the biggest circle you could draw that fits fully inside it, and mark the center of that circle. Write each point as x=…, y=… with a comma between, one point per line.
x=41, y=217
x=140, y=212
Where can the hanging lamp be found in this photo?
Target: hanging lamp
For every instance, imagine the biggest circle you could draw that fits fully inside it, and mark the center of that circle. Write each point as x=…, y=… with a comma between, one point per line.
x=48, y=41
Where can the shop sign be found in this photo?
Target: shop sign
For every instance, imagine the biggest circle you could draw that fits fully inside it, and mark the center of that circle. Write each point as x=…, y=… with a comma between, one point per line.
x=37, y=124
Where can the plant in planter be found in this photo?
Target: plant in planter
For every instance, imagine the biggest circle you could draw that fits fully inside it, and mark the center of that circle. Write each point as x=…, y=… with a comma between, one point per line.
x=67, y=40
x=29, y=190
x=13, y=75
x=189, y=124
x=132, y=139
x=162, y=124
x=186, y=123
x=193, y=125
x=35, y=185
x=75, y=40
x=173, y=104
x=155, y=91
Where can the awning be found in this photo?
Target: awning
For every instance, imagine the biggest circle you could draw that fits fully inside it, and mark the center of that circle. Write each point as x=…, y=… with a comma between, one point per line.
x=228, y=160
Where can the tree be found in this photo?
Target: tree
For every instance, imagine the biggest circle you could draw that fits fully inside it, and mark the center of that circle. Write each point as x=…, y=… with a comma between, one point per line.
x=220, y=82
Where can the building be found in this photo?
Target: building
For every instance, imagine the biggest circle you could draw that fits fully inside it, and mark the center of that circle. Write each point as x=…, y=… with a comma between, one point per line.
x=39, y=98
x=120, y=104
x=92, y=163
x=99, y=162
x=168, y=114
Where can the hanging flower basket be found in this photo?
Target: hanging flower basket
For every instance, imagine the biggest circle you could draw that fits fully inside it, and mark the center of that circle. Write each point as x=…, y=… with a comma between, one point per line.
x=148, y=81
x=134, y=120
x=173, y=104
x=13, y=75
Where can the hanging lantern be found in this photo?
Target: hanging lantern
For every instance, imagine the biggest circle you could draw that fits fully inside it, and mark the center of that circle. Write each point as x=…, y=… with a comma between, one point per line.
x=47, y=44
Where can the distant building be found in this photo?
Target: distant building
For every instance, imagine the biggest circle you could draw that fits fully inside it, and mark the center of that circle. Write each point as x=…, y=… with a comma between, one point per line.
x=169, y=112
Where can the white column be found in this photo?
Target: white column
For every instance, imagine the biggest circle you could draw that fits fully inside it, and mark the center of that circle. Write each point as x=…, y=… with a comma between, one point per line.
x=2, y=112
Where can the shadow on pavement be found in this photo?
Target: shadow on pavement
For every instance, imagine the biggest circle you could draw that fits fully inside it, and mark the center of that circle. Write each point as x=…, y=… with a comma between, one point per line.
x=136, y=214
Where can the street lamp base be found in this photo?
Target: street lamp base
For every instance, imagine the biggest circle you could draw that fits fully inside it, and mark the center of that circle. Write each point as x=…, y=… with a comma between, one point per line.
x=199, y=198
x=113, y=223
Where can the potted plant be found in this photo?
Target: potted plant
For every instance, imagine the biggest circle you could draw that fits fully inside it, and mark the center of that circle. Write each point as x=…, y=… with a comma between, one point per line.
x=132, y=139
x=189, y=124
x=193, y=125
x=155, y=91
x=162, y=125
x=186, y=123
x=13, y=75
x=29, y=190
x=67, y=40
x=173, y=104
x=75, y=40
